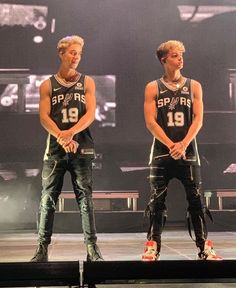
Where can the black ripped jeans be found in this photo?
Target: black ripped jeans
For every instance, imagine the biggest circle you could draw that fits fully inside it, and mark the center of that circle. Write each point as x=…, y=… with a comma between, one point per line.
x=189, y=175
x=53, y=173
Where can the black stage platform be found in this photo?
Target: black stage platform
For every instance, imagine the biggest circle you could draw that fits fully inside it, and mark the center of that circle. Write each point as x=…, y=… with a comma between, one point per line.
x=122, y=266
x=120, y=272
x=134, y=221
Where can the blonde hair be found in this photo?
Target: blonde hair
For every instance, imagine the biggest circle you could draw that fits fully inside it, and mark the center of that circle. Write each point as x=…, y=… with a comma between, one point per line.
x=65, y=42
x=165, y=47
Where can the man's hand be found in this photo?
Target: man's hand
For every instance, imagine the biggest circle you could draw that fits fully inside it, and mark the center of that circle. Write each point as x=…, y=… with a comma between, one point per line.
x=64, y=137
x=177, y=151
x=72, y=146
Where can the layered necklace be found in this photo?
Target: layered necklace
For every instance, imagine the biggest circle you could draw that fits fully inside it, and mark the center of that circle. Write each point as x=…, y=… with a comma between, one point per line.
x=69, y=80
x=174, y=84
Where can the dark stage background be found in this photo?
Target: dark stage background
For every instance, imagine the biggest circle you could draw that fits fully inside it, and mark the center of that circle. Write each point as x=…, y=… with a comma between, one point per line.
x=121, y=37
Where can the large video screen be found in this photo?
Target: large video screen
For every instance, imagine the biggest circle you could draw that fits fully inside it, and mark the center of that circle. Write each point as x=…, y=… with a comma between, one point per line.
x=18, y=15
x=105, y=95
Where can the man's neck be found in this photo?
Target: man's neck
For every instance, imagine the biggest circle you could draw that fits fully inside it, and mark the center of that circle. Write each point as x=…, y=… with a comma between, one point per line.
x=70, y=75
x=173, y=80
x=173, y=77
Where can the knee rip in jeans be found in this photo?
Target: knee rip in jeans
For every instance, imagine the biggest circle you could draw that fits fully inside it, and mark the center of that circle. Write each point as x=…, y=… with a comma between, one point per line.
x=86, y=205
x=47, y=202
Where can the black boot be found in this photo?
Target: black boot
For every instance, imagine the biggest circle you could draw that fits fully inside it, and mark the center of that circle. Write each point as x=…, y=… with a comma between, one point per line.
x=41, y=254
x=93, y=253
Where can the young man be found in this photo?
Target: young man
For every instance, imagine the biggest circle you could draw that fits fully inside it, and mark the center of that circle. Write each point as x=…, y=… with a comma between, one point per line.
x=67, y=108
x=173, y=110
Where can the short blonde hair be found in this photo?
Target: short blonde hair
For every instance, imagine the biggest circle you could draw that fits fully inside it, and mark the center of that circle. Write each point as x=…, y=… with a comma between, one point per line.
x=165, y=47
x=65, y=42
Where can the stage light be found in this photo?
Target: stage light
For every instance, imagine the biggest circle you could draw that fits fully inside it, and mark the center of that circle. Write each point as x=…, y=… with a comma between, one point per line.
x=38, y=39
x=6, y=101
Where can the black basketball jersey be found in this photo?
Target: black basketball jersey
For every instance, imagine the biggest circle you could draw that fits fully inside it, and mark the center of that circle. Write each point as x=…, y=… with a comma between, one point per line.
x=175, y=116
x=68, y=105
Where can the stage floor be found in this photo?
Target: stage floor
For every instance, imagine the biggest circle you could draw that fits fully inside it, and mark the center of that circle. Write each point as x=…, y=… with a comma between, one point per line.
x=177, y=245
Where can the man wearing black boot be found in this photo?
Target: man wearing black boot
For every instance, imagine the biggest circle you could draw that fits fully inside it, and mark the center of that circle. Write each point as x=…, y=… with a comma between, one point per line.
x=67, y=108
x=173, y=111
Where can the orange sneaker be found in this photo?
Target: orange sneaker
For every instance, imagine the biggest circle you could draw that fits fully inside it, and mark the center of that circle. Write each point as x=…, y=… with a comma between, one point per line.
x=208, y=253
x=150, y=251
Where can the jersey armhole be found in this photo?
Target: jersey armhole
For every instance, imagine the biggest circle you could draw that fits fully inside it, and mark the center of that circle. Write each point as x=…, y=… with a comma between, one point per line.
x=191, y=90
x=157, y=88
x=50, y=86
x=85, y=82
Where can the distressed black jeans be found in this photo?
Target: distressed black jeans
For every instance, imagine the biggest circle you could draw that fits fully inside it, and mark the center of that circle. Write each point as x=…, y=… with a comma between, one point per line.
x=53, y=173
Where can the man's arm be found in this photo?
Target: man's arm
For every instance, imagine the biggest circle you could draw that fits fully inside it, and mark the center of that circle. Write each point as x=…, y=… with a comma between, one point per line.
x=150, y=114
x=45, y=109
x=64, y=137
x=197, y=113
x=179, y=148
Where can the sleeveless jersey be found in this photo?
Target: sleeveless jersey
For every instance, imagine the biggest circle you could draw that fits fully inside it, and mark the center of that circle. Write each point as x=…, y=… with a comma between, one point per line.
x=68, y=105
x=175, y=115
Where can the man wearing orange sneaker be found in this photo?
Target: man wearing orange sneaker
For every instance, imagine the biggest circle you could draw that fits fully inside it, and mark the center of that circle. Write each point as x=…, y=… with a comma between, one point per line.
x=173, y=110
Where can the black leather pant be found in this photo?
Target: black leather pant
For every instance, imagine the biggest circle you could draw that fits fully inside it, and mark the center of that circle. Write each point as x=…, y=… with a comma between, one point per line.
x=160, y=175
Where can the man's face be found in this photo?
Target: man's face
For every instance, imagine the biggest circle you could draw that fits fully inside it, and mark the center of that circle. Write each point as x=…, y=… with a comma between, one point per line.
x=72, y=56
x=174, y=59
